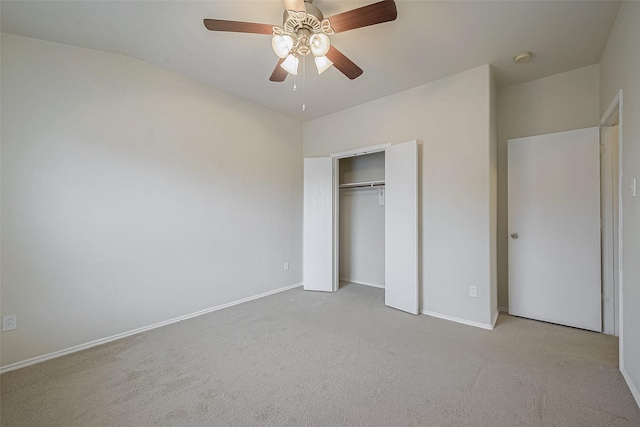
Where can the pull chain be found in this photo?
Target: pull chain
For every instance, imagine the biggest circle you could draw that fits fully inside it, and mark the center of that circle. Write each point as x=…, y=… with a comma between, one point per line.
x=304, y=86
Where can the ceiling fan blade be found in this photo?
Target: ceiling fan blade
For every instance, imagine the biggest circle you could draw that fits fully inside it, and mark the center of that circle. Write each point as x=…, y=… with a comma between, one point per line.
x=279, y=73
x=297, y=5
x=238, y=27
x=343, y=64
x=376, y=13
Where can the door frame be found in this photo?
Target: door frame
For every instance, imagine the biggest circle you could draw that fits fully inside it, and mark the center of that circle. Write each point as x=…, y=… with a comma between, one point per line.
x=336, y=202
x=611, y=115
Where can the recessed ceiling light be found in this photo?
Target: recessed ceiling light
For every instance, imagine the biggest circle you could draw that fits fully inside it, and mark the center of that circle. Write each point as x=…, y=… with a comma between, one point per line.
x=522, y=57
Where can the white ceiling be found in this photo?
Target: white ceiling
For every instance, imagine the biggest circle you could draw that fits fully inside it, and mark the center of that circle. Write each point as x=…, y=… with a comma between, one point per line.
x=428, y=41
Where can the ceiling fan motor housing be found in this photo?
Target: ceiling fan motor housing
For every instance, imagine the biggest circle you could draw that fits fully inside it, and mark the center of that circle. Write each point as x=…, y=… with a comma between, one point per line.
x=311, y=10
x=303, y=26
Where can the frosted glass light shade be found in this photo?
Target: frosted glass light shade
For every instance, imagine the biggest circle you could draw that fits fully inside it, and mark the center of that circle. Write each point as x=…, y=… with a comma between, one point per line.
x=322, y=63
x=319, y=44
x=291, y=65
x=282, y=45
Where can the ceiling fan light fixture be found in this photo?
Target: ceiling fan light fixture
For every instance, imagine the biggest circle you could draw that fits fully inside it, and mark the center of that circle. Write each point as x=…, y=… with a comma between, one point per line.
x=290, y=64
x=322, y=63
x=320, y=44
x=282, y=45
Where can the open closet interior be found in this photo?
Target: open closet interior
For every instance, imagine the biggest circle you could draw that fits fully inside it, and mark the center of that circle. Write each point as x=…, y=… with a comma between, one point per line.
x=362, y=219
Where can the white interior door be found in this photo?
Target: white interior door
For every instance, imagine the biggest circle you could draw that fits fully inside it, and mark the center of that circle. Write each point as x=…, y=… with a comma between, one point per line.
x=317, y=235
x=401, y=227
x=554, y=227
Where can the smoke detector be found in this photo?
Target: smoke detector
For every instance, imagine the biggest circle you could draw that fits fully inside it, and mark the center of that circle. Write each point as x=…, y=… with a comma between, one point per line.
x=522, y=57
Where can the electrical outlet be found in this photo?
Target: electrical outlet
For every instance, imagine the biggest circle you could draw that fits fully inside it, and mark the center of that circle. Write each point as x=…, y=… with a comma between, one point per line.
x=473, y=291
x=286, y=266
x=9, y=323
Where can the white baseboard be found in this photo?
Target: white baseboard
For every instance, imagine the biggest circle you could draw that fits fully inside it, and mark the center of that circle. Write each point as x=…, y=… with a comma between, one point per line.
x=458, y=320
x=503, y=310
x=632, y=387
x=55, y=354
x=359, y=282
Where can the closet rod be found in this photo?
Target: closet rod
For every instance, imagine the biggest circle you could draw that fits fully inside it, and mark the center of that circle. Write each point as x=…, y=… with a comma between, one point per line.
x=362, y=184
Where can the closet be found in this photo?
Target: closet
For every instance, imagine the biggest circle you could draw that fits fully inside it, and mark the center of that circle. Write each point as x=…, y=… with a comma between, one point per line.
x=378, y=243
x=361, y=219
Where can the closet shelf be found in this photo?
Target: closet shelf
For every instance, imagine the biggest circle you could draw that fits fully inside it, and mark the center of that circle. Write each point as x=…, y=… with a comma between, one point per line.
x=362, y=184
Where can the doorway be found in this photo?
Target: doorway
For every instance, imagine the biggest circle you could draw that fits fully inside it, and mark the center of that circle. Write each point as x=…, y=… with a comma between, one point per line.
x=611, y=208
x=361, y=219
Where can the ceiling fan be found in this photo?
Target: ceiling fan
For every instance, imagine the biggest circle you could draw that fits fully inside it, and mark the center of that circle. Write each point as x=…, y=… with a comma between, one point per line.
x=305, y=30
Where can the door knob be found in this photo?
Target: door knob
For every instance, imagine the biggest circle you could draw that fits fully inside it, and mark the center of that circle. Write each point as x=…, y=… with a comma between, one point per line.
x=514, y=236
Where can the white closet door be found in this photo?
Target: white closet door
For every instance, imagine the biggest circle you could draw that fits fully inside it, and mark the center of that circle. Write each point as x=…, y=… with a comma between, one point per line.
x=401, y=227
x=317, y=246
x=554, y=228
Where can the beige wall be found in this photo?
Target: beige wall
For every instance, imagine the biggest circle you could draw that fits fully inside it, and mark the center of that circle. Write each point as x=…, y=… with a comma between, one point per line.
x=557, y=103
x=620, y=69
x=450, y=120
x=131, y=196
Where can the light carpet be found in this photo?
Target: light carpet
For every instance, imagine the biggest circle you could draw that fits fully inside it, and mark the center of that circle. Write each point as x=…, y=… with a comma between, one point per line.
x=343, y=359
